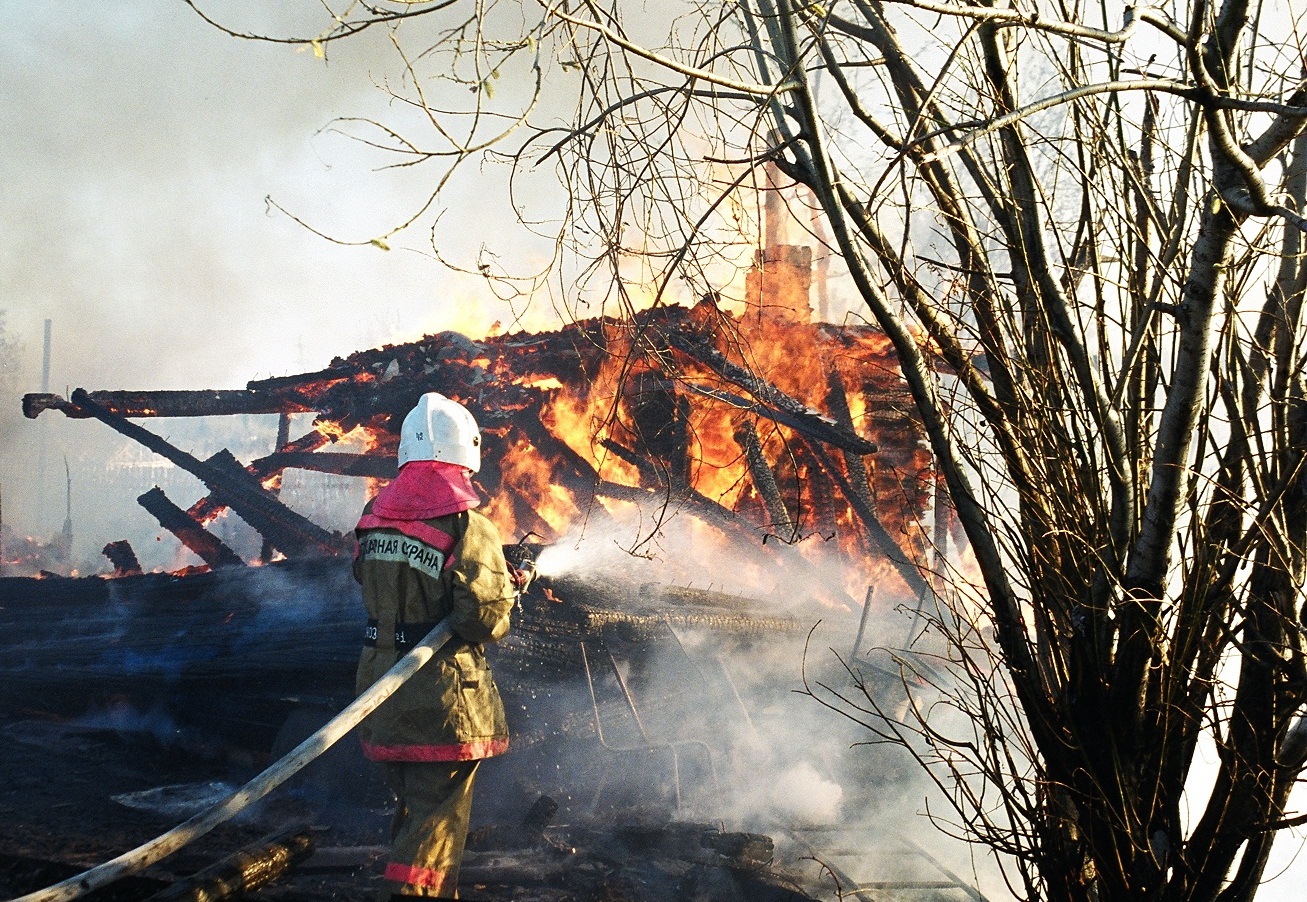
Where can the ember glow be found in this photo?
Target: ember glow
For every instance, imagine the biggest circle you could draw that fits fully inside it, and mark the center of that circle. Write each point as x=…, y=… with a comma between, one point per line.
x=760, y=433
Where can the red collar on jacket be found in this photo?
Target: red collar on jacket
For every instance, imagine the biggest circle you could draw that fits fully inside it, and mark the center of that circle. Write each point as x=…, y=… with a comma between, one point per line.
x=425, y=489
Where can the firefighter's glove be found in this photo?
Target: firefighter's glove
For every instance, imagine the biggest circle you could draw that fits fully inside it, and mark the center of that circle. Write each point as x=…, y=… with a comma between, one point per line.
x=522, y=576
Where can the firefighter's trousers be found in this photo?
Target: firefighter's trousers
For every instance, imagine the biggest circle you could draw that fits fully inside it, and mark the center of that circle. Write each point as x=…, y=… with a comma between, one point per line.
x=430, y=827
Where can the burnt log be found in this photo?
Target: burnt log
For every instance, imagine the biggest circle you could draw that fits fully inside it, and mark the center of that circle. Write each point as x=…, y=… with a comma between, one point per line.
x=662, y=596
x=123, y=558
x=243, y=492
x=372, y=466
x=876, y=530
x=837, y=401
x=232, y=485
x=190, y=532
x=649, y=475
x=200, y=403
x=764, y=480
x=777, y=404
x=283, y=439
x=208, y=506
x=660, y=420
x=242, y=872
x=301, y=380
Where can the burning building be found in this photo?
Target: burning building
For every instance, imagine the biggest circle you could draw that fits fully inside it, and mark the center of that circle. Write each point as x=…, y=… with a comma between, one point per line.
x=762, y=429
x=783, y=449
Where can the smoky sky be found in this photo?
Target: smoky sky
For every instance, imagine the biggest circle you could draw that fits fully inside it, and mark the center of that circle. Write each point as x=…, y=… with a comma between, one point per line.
x=139, y=144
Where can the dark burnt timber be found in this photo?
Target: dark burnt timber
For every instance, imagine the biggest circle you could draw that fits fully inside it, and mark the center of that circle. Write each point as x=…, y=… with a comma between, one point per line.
x=837, y=400
x=232, y=485
x=372, y=466
x=205, y=403
x=243, y=872
x=283, y=439
x=212, y=550
x=123, y=558
x=208, y=506
x=660, y=420
x=764, y=480
x=648, y=473
x=276, y=383
x=876, y=531
x=797, y=414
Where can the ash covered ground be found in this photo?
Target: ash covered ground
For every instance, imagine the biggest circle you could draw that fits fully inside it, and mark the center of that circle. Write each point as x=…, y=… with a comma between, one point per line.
x=80, y=792
x=662, y=722
x=131, y=704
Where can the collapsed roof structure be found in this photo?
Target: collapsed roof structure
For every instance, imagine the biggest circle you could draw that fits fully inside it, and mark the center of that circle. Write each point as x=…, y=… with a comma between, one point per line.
x=765, y=429
x=789, y=439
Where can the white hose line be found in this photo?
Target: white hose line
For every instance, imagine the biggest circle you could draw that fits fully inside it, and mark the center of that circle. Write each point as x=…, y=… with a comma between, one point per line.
x=160, y=847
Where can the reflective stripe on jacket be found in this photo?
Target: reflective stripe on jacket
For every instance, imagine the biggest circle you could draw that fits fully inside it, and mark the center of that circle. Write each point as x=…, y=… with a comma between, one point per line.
x=415, y=574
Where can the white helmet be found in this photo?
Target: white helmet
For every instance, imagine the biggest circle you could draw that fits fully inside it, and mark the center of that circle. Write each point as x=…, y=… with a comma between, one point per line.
x=440, y=429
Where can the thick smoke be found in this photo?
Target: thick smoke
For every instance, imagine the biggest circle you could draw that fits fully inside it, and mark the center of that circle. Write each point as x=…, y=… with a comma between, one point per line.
x=140, y=144
x=784, y=764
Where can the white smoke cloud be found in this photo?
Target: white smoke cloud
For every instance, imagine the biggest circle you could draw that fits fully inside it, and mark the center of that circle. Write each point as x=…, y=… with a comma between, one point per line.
x=803, y=796
x=140, y=144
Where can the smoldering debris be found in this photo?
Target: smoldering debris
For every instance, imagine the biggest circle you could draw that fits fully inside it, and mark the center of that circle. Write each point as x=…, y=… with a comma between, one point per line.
x=177, y=800
x=598, y=418
x=245, y=871
x=679, y=861
x=654, y=674
x=641, y=709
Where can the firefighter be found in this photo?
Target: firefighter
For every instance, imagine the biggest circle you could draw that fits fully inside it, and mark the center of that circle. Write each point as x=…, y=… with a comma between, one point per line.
x=425, y=555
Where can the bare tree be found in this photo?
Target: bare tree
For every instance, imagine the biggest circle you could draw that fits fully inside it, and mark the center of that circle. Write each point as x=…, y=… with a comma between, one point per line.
x=1081, y=228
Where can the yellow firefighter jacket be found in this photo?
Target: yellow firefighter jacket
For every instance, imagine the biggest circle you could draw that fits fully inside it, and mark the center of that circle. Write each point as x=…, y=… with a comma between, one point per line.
x=415, y=573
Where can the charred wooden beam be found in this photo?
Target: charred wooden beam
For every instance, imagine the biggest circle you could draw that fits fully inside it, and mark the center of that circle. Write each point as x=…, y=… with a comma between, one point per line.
x=283, y=439
x=190, y=532
x=857, y=488
x=664, y=595
x=660, y=420
x=310, y=441
x=820, y=503
x=770, y=398
x=582, y=474
x=373, y=466
x=244, y=493
x=800, y=425
x=123, y=558
x=649, y=475
x=242, y=872
x=585, y=480
x=575, y=472
x=647, y=627
x=203, y=403
x=283, y=432
x=232, y=485
x=764, y=480
x=656, y=487
x=837, y=401
x=208, y=506
x=876, y=530
x=330, y=374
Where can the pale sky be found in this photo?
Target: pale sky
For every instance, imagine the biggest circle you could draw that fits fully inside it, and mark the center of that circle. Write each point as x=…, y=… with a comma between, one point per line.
x=139, y=145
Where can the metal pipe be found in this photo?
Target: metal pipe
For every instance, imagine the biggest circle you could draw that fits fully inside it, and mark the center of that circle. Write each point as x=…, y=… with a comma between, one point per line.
x=45, y=361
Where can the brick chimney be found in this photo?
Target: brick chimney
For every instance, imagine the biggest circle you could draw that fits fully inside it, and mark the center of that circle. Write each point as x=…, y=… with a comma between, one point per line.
x=778, y=284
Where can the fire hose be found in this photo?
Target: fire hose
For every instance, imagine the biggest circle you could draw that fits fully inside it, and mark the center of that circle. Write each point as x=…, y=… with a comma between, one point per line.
x=162, y=846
